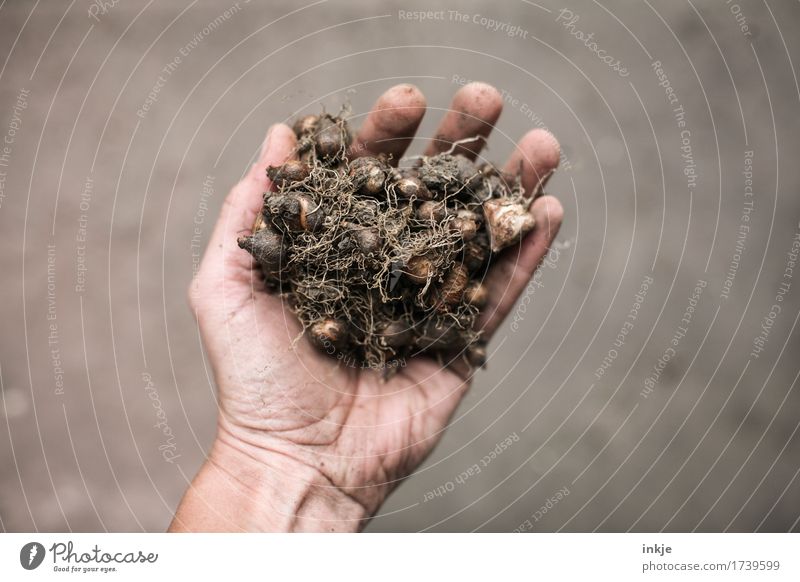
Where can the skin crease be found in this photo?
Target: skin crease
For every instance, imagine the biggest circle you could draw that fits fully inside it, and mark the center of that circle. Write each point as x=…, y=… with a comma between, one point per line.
x=304, y=442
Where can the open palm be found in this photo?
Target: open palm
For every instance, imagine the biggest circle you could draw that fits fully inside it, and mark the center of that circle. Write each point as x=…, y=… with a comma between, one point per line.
x=281, y=396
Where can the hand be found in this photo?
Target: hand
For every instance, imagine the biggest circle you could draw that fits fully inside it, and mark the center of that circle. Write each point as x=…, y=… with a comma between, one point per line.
x=304, y=442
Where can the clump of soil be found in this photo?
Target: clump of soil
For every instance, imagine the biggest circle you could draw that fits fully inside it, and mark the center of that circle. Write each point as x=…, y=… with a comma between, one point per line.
x=381, y=263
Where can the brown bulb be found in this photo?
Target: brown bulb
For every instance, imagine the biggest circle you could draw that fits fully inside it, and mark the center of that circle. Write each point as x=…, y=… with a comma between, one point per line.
x=476, y=355
x=296, y=212
x=306, y=125
x=431, y=211
x=488, y=169
x=471, y=222
x=476, y=294
x=329, y=335
x=329, y=145
x=466, y=227
x=442, y=334
x=395, y=334
x=412, y=187
x=507, y=222
x=288, y=173
x=419, y=269
x=267, y=247
x=368, y=175
x=454, y=284
x=470, y=215
x=331, y=139
x=476, y=252
x=468, y=173
x=368, y=239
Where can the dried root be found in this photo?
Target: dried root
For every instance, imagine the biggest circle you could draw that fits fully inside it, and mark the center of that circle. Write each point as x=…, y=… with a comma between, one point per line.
x=380, y=264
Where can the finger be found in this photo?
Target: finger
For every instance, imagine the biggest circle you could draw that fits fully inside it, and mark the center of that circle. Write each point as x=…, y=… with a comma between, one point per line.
x=392, y=123
x=246, y=199
x=537, y=155
x=473, y=112
x=516, y=265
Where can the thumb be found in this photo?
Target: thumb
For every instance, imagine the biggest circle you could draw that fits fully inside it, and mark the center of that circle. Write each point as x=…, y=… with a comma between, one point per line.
x=223, y=257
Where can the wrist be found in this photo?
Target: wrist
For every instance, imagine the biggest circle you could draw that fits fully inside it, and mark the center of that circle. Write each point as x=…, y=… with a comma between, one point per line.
x=244, y=488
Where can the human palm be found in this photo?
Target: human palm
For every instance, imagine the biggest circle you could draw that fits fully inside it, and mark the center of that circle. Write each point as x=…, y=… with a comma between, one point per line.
x=282, y=397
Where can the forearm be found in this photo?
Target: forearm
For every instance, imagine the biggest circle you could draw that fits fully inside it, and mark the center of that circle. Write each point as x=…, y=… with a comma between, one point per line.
x=239, y=490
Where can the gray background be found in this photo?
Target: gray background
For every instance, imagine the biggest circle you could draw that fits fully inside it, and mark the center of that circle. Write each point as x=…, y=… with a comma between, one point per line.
x=713, y=447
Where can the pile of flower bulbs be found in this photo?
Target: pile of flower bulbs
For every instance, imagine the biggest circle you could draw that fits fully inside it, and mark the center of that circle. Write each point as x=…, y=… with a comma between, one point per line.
x=381, y=264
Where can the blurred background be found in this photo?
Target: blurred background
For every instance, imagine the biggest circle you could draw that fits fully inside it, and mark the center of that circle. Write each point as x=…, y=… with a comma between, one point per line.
x=647, y=379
